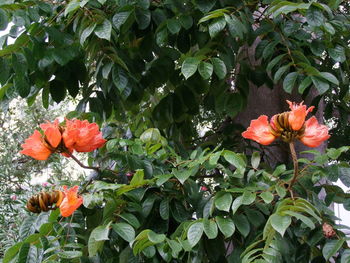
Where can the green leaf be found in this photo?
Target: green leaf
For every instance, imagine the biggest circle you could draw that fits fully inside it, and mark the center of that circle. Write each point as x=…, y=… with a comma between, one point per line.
x=195, y=233
x=94, y=246
x=175, y=247
x=214, y=14
x=274, y=62
x=147, y=205
x=57, y=90
x=161, y=179
x=12, y=252
x=3, y=20
x=286, y=7
x=70, y=254
x=329, y=28
x=223, y=201
x=226, y=226
x=248, y=197
x=267, y=197
x=320, y=85
x=104, y=30
x=216, y=26
x=314, y=16
x=131, y=219
x=234, y=159
x=344, y=175
x=330, y=77
x=304, y=84
x=86, y=33
x=337, y=53
x=151, y=135
x=208, y=208
x=269, y=49
x=164, y=209
x=186, y=21
x=210, y=228
x=331, y=247
x=236, y=204
x=71, y=7
x=182, y=175
x=173, y=26
x=213, y=159
x=120, y=18
x=242, y=224
x=125, y=231
x=189, y=66
x=19, y=63
x=100, y=233
x=255, y=160
x=235, y=26
x=307, y=221
x=345, y=258
x=27, y=227
x=280, y=223
x=280, y=72
x=219, y=67
x=143, y=18
x=27, y=254
x=289, y=81
x=205, y=69
x=137, y=179
x=155, y=238
x=120, y=78
x=206, y=5
x=22, y=86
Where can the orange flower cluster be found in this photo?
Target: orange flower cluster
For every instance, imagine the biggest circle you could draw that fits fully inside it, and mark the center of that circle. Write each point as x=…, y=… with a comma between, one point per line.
x=71, y=201
x=77, y=135
x=288, y=126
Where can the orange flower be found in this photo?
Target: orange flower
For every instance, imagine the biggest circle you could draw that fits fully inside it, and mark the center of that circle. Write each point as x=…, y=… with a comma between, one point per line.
x=71, y=201
x=39, y=146
x=82, y=136
x=297, y=115
x=315, y=133
x=259, y=131
x=289, y=126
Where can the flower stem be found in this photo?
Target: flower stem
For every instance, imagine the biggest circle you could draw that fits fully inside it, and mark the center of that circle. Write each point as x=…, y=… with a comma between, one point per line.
x=96, y=168
x=83, y=165
x=295, y=163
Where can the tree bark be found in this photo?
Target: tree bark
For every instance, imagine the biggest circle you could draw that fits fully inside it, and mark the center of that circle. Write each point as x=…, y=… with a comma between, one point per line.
x=265, y=101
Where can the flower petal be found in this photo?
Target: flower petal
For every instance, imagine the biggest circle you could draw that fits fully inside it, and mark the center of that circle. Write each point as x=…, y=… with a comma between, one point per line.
x=82, y=136
x=35, y=147
x=260, y=131
x=52, y=133
x=71, y=201
x=315, y=133
x=298, y=114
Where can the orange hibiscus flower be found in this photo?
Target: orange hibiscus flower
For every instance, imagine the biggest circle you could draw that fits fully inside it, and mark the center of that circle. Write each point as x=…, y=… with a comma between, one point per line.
x=82, y=136
x=41, y=146
x=288, y=126
x=71, y=201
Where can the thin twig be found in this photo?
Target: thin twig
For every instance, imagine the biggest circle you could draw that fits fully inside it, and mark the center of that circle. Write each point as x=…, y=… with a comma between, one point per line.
x=97, y=169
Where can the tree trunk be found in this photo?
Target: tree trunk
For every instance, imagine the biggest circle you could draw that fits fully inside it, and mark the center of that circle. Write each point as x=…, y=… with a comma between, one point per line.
x=265, y=101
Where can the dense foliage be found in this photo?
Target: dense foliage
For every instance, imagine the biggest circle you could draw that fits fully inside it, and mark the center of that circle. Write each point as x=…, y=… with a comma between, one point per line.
x=154, y=74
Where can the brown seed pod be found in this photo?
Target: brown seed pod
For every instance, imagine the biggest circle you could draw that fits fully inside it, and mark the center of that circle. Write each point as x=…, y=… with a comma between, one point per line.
x=45, y=201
